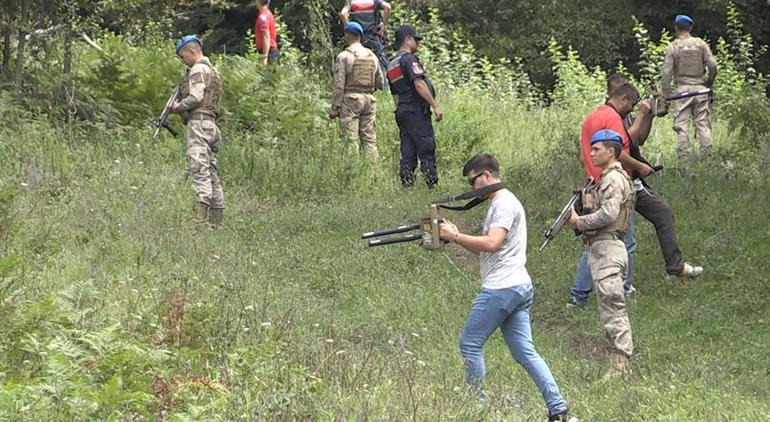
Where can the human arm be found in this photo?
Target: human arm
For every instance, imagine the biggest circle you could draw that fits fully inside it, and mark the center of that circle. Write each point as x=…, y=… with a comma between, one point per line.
x=711, y=64
x=386, y=9
x=262, y=30
x=631, y=163
x=609, y=209
x=668, y=72
x=640, y=129
x=422, y=88
x=344, y=15
x=196, y=87
x=338, y=85
x=491, y=242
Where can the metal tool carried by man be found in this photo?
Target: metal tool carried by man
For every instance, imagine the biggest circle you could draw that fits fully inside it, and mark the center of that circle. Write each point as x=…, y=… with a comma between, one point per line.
x=428, y=225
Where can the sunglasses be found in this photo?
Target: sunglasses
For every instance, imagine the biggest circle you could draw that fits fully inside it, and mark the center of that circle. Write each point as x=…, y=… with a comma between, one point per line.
x=472, y=180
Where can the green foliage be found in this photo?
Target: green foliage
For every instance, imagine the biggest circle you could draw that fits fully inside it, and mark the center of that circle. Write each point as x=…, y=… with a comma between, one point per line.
x=576, y=87
x=652, y=54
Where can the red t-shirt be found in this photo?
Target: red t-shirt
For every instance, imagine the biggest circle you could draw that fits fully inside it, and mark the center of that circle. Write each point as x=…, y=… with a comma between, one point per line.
x=265, y=21
x=604, y=117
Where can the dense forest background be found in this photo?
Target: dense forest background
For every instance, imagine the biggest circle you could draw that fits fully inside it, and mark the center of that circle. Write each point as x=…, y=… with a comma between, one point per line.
x=601, y=31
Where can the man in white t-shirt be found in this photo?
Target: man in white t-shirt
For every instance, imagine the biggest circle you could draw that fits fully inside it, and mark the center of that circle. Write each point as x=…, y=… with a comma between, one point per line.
x=506, y=292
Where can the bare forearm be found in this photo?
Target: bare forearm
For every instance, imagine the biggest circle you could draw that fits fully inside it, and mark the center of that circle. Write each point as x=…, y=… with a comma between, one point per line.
x=632, y=163
x=265, y=42
x=477, y=244
x=640, y=130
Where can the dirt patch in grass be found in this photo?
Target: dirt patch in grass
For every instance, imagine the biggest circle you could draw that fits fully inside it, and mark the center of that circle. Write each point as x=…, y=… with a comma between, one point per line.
x=589, y=346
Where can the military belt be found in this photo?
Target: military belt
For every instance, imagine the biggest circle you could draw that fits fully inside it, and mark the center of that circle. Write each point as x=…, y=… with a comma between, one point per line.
x=201, y=116
x=604, y=236
x=359, y=91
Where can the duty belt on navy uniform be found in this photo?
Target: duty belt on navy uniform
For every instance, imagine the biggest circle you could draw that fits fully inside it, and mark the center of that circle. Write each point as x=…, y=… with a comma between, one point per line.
x=475, y=194
x=358, y=91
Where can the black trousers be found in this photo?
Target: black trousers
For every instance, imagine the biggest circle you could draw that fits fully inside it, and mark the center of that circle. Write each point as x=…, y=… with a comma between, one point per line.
x=417, y=142
x=655, y=210
x=273, y=56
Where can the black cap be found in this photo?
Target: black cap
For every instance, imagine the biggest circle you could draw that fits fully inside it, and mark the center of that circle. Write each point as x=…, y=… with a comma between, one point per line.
x=404, y=31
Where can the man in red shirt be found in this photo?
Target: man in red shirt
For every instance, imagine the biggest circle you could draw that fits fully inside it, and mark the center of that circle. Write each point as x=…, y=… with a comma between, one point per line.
x=264, y=34
x=610, y=116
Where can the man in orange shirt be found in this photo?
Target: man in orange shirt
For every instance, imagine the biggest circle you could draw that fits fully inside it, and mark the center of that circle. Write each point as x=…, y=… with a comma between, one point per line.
x=264, y=34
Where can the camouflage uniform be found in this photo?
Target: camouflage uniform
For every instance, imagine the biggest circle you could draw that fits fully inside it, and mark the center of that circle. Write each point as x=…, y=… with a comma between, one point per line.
x=199, y=108
x=610, y=205
x=356, y=75
x=687, y=59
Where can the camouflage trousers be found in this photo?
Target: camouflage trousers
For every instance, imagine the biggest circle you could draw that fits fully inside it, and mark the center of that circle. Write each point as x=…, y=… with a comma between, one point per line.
x=358, y=123
x=696, y=109
x=203, y=140
x=608, y=260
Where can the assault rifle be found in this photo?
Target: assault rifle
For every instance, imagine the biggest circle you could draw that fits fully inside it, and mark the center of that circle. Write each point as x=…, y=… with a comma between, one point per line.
x=574, y=202
x=162, y=121
x=561, y=220
x=426, y=231
x=660, y=102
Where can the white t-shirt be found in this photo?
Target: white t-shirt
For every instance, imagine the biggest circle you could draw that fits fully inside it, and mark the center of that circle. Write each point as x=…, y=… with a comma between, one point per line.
x=506, y=267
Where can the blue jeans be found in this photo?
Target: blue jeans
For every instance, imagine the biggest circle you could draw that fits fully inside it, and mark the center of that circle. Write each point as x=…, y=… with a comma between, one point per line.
x=509, y=310
x=583, y=283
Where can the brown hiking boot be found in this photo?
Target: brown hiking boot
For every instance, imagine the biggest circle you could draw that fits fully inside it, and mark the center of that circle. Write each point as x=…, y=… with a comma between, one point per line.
x=201, y=212
x=216, y=216
x=619, y=365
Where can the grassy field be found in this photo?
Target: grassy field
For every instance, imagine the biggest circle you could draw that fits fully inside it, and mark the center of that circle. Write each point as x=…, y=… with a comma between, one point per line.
x=113, y=307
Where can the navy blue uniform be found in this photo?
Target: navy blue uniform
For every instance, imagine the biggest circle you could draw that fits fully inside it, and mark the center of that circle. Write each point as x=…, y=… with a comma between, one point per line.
x=413, y=119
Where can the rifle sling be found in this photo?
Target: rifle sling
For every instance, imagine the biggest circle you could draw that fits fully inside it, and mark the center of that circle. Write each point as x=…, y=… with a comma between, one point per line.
x=476, y=194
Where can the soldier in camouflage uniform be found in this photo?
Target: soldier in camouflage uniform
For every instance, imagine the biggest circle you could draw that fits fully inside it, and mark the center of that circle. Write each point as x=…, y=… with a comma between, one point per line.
x=356, y=75
x=198, y=106
x=607, y=210
x=687, y=59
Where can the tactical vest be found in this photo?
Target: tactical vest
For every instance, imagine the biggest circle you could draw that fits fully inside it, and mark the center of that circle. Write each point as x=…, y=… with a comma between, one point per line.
x=688, y=60
x=362, y=74
x=209, y=107
x=619, y=227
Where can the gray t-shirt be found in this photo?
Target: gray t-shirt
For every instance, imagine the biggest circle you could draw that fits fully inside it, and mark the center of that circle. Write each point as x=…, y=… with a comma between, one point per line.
x=506, y=267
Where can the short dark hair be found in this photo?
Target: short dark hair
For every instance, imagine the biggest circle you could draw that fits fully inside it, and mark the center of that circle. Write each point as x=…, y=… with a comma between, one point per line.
x=625, y=90
x=615, y=80
x=616, y=147
x=683, y=26
x=481, y=162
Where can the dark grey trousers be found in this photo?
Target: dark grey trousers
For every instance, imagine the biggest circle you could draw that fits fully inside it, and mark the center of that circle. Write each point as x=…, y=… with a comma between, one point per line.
x=655, y=210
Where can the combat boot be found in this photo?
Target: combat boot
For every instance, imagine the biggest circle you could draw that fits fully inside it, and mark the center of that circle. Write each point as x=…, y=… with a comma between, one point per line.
x=619, y=365
x=216, y=216
x=200, y=215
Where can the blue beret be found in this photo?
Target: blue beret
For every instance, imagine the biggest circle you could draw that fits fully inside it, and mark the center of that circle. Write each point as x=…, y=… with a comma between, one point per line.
x=354, y=27
x=683, y=19
x=187, y=39
x=606, y=135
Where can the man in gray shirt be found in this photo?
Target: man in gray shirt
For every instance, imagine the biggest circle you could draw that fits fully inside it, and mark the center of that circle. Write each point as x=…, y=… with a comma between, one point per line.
x=506, y=292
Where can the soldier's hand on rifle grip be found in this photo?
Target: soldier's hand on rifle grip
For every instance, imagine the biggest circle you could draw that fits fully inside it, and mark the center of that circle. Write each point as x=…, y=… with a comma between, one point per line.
x=573, y=217
x=174, y=106
x=448, y=231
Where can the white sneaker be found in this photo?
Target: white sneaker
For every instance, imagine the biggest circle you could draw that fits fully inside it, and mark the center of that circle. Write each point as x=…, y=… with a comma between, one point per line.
x=690, y=271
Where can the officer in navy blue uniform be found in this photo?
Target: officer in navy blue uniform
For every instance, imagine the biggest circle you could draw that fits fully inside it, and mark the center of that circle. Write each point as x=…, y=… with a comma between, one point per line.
x=415, y=97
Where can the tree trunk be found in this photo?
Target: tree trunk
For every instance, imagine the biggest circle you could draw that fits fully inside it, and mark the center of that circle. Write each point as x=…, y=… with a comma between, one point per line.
x=67, y=85
x=19, y=70
x=6, y=66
